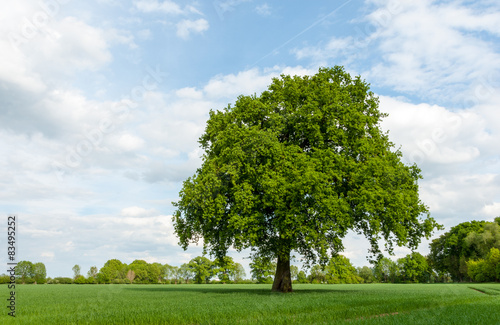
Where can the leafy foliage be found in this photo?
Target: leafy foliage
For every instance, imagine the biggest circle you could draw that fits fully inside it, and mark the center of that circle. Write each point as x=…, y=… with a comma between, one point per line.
x=296, y=169
x=202, y=269
x=262, y=269
x=414, y=268
x=450, y=251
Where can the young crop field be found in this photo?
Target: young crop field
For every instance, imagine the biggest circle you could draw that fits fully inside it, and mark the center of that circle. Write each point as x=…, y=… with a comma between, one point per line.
x=256, y=304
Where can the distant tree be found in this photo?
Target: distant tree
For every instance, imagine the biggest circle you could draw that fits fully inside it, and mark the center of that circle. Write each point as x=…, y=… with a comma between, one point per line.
x=154, y=272
x=294, y=272
x=114, y=269
x=76, y=271
x=450, y=252
x=175, y=273
x=302, y=277
x=25, y=271
x=185, y=272
x=340, y=270
x=167, y=271
x=80, y=280
x=485, y=239
x=414, y=268
x=238, y=273
x=201, y=268
x=317, y=274
x=225, y=268
x=262, y=269
x=386, y=270
x=142, y=271
x=366, y=273
x=130, y=275
x=92, y=273
x=39, y=273
x=487, y=269
x=295, y=169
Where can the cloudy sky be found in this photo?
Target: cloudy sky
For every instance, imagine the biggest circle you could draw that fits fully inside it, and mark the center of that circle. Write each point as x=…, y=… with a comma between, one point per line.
x=102, y=103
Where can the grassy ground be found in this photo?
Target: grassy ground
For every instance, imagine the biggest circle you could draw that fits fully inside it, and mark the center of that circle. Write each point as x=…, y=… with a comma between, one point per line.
x=255, y=304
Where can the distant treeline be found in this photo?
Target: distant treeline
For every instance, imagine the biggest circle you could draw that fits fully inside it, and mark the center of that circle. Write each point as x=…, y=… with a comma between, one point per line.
x=469, y=252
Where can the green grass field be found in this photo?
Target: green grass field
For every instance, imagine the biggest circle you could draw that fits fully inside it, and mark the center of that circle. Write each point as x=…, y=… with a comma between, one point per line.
x=255, y=304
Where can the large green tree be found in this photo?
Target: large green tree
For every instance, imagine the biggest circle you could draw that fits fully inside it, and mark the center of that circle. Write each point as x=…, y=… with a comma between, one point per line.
x=295, y=169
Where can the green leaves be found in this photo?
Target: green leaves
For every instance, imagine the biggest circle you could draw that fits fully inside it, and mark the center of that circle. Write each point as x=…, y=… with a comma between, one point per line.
x=296, y=168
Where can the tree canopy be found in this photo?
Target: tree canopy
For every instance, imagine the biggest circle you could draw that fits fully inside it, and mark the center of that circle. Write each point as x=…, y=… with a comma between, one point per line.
x=295, y=169
x=450, y=251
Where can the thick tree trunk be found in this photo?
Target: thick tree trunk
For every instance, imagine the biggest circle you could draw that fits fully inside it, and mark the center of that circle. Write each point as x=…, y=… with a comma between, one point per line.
x=282, y=278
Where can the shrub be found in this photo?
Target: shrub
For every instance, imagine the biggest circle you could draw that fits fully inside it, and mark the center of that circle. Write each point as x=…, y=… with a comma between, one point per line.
x=80, y=280
x=63, y=280
x=4, y=279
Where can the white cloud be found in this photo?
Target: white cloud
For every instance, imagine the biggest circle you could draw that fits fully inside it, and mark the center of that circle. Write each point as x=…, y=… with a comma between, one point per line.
x=263, y=10
x=190, y=93
x=129, y=142
x=425, y=48
x=168, y=7
x=491, y=210
x=186, y=27
x=135, y=212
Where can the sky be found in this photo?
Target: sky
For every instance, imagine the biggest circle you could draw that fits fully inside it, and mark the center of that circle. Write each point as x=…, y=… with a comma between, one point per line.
x=102, y=103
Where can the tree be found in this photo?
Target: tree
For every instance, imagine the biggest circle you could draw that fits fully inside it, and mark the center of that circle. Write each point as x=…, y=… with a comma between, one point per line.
x=295, y=169
x=185, y=272
x=294, y=272
x=142, y=271
x=262, y=269
x=76, y=271
x=25, y=271
x=340, y=270
x=414, y=268
x=80, y=280
x=115, y=269
x=39, y=273
x=92, y=273
x=224, y=268
x=238, y=273
x=366, y=273
x=201, y=267
x=130, y=276
x=487, y=269
x=301, y=277
x=450, y=252
x=317, y=274
x=386, y=270
x=175, y=273
x=485, y=239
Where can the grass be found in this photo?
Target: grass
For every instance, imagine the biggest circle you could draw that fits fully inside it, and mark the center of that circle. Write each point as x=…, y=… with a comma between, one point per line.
x=255, y=304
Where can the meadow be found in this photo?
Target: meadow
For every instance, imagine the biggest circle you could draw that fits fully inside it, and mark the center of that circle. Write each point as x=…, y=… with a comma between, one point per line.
x=256, y=304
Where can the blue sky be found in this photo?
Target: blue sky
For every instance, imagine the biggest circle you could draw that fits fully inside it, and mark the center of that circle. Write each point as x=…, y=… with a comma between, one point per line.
x=102, y=103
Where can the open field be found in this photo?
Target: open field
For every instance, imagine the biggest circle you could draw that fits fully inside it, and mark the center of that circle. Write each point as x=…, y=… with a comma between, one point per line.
x=255, y=304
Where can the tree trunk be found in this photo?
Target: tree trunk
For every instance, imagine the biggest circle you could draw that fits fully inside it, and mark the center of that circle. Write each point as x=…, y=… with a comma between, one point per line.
x=282, y=278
